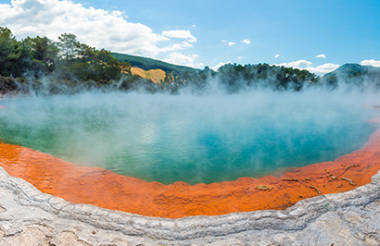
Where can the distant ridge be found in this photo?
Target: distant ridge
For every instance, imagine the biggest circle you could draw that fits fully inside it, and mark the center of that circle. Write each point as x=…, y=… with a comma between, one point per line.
x=148, y=63
x=352, y=70
x=354, y=74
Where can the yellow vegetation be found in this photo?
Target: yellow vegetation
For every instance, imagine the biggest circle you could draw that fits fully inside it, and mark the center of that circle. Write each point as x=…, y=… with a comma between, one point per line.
x=156, y=75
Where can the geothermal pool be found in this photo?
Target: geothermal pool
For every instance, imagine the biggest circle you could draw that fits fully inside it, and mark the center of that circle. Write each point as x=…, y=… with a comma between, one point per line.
x=195, y=139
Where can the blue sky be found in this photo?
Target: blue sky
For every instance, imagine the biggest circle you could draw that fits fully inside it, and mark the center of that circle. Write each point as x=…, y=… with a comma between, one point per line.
x=317, y=35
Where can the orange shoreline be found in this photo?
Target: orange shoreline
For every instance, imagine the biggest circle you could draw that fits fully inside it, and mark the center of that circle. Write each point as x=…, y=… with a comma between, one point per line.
x=109, y=190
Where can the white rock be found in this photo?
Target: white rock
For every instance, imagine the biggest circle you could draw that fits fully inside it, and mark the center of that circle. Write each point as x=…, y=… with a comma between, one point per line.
x=30, y=217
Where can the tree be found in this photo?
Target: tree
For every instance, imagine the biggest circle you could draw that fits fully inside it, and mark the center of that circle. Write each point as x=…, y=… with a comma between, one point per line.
x=44, y=54
x=69, y=46
x=126, y=67
x=7, y=42
x=108, y=67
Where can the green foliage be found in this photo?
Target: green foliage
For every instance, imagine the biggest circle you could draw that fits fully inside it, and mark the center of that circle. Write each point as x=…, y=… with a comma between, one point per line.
x=44, y=66
x=7, y=84
x=237, y=77
x=8, y=52
x=43, y=53
x=94, y=65
x=68, y=64
x=69, y=46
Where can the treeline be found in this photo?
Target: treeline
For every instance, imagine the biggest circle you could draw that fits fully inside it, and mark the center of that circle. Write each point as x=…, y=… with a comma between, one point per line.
x=42, y=66
x=236, y=77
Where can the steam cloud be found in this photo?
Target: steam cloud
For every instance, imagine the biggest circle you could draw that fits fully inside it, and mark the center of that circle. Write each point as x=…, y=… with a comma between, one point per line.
x=193, y=138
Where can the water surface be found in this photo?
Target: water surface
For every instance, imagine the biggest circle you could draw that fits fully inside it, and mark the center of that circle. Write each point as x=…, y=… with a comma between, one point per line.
x=196, y=139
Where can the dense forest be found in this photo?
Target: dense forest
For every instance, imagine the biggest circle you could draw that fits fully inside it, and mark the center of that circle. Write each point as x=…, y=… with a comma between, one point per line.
x=42, y=66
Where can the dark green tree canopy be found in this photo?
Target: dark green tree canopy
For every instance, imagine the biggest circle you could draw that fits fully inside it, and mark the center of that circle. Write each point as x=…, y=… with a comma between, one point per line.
x=40, y=64
x=67, y=64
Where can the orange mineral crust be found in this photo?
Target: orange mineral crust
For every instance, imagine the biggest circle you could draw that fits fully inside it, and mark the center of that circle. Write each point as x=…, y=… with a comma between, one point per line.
x=113, y=191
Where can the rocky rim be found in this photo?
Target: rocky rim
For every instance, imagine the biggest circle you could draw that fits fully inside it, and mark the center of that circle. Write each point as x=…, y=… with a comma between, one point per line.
x=30, y=217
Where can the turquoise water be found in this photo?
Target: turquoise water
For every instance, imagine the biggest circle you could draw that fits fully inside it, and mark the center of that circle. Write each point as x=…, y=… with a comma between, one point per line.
x=196, y=139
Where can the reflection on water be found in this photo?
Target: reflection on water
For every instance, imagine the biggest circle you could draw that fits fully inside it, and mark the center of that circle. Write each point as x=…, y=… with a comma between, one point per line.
x=187, y=138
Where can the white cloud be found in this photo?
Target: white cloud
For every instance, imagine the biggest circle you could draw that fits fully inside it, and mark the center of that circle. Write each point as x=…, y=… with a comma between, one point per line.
x=370, y=62
x=220, y=64
x=323, y=69
x=321, y=56
x=95, y=27
x=297, y=64
x=246, y=41
x=231, y=43
x=183, y=34
x=175, y=47
x=304, y=64
x=184, y=60
x=276, y=56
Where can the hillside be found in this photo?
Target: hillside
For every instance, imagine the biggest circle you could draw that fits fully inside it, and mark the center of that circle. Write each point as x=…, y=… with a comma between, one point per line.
x=354, y=75
x=40, y=65
x=155, y=75
x=148, y=63
x=349, y=70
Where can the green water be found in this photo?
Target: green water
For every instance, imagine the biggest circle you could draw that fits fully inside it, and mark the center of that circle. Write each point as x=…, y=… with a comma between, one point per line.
x=187, y=138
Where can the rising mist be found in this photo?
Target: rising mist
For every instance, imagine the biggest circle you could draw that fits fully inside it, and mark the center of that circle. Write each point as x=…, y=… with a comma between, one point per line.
x=204, y=138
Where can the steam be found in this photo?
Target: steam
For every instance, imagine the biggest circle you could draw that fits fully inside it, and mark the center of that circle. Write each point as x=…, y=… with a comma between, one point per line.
x=194, y=138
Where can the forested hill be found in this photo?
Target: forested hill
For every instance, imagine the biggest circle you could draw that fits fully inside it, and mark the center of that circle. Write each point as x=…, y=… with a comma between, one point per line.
x=41, y=66
x=148, y=63
x=354, y=75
